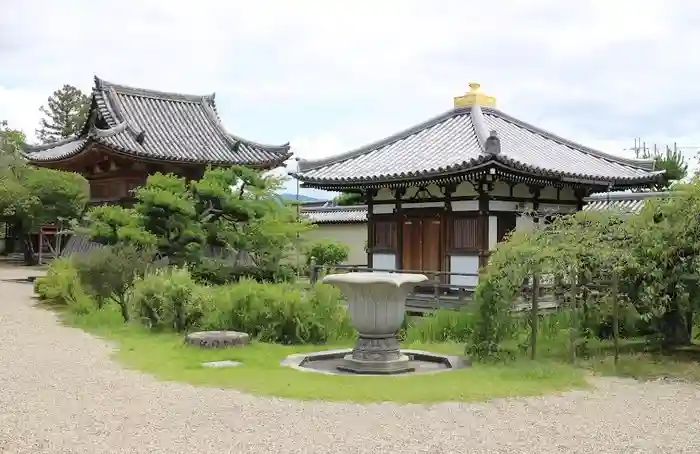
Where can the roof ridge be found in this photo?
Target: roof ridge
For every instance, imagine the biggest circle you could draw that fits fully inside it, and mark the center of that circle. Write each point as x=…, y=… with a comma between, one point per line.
x=129, y=90
x=335, y=208
x=642, y=164
x=46, y=146
x=209, y=105
x=305, y=165
x=621, y=196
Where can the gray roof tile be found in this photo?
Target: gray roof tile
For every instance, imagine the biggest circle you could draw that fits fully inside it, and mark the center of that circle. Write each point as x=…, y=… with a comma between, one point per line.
x=455, y=141
x=336, y=215
x=164, y=126
x=621, y=201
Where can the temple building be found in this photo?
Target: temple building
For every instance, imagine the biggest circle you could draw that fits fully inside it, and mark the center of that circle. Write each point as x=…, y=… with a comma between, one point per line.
x=134, y=132
x=440, y=195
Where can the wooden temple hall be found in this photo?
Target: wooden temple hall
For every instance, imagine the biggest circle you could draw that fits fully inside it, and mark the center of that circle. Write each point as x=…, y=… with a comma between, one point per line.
x=442, y=194
x=133, y=132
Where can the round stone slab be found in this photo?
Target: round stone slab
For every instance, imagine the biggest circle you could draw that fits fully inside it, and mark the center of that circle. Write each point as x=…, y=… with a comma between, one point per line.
x=217, y=339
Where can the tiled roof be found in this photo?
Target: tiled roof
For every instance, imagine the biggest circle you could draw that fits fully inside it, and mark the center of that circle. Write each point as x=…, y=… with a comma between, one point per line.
x=456, y=141
x=336, y=214
x=162, y=126
x=622, y=201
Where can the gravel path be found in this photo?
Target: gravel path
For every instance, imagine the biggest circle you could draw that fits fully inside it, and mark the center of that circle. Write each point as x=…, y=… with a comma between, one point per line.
x=60, y=393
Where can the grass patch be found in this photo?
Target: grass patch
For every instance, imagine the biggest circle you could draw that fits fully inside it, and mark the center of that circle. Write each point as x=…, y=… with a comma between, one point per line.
x=166, y=357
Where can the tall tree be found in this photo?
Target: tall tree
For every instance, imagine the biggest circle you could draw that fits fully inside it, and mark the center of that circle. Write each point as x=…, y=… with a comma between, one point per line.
x=671, y=160
x=11, y=140
x=65, y=114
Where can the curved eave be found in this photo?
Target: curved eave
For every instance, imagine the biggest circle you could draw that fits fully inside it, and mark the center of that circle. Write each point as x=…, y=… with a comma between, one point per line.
x=473, y=165
x=114, y=138
x=283, y=150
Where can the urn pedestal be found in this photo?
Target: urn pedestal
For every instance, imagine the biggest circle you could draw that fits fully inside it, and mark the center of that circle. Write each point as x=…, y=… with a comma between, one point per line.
x=377, y=304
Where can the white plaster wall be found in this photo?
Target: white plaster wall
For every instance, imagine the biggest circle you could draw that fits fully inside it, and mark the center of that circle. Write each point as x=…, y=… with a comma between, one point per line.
x=383, y=209
x=465, y=205
x=464, y=264
x=352, y=235
x=493, y=232
x=384, y=261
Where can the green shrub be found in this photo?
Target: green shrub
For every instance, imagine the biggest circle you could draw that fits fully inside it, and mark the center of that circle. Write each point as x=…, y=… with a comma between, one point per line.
x=218, y=272
x=109, y=272
x=62, y=286
x=282, y=313
x=169, y=298
x=441, y=326
x=327, y=253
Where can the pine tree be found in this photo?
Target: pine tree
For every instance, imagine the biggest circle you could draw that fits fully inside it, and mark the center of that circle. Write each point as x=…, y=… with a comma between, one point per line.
x=65, y=114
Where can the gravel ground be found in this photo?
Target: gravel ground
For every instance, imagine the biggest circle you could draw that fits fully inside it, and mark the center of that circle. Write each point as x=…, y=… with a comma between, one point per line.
x=60, y=393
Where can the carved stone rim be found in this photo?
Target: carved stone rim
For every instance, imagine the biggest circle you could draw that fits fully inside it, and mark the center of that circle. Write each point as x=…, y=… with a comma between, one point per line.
x=297, y=360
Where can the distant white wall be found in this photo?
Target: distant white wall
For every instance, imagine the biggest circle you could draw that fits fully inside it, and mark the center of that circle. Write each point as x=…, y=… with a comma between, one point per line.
x=352, y=235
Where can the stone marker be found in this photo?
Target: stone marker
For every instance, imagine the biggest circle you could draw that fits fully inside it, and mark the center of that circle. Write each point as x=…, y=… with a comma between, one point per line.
x=220, y=364
x=217, y=339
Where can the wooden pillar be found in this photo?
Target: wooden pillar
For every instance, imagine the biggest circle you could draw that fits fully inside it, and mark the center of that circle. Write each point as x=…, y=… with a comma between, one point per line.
x=484, y=190
x=579, y=193
x=535, y=191
x=399, y=217
x=369, y=200
x=447, y=222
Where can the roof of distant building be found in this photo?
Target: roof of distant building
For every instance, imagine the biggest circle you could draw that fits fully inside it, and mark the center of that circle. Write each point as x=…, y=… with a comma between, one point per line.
x=161, y=126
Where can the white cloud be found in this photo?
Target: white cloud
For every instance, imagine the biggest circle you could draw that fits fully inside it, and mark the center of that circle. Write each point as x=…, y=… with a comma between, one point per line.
x=345, y=73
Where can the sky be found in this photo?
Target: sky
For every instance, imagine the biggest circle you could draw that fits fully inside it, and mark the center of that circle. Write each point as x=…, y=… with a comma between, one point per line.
x=329, y=77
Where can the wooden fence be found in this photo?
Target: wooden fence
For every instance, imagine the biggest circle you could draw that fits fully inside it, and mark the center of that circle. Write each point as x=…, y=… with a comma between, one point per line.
x=439, y=293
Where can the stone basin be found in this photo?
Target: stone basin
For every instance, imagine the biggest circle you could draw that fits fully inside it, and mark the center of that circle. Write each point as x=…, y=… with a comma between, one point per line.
x=377, y=305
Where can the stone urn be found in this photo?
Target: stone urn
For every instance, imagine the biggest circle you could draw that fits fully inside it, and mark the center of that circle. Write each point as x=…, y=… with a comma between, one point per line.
x=377, y=304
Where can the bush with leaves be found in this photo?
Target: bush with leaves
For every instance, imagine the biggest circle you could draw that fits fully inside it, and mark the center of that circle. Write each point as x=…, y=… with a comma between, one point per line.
x=109, y=272
x=61, y=285
x=327, y=253
x=169, y=298
x=281, y=313
x=214, y=271
x=605, y=264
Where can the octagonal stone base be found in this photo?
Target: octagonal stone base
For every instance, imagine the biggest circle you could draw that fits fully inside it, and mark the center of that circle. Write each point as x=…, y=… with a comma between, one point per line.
x=376, y=355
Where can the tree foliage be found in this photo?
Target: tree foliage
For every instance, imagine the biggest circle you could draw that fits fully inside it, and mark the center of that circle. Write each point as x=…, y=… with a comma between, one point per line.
x=650, y=262
x=65, y=114
x=349, y=198
x=33, y=196
x=235, y=211
x=671, y=160
x=326, y=252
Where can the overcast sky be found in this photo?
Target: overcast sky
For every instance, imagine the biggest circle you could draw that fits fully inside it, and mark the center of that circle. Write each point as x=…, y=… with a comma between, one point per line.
x=329, y=76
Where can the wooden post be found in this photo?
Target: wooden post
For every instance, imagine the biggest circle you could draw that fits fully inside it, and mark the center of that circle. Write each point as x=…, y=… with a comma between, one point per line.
x=534, y=315
x=41, y=245
x=313, y=276
x=616, y=319
x=573, y=330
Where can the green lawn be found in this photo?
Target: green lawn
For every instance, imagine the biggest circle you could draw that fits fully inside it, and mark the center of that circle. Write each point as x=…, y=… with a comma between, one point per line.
x=166, y=357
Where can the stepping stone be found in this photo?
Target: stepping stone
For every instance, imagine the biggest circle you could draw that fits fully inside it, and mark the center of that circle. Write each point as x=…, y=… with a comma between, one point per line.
x=217, y=339
x=220, y=364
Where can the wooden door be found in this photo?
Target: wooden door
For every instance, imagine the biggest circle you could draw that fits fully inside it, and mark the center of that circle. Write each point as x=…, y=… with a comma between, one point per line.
x=421, y=244
x=412, y=247
x=431, y=256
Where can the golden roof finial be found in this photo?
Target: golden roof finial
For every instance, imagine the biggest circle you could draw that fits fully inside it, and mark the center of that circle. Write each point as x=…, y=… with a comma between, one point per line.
x=475, y=96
